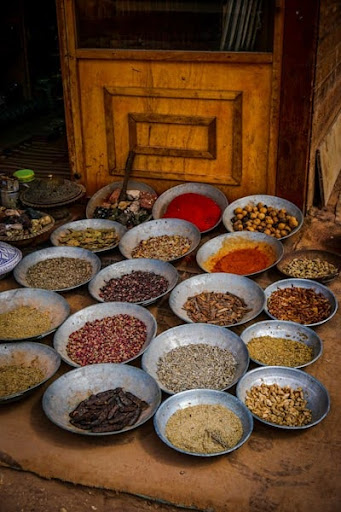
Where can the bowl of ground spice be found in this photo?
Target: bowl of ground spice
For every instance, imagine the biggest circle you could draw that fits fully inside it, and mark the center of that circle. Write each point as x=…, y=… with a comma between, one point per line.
x=300, y=300
x=23, y=367
x=285, y=398
x=280, y=343
x=199, y=203
x=322, y=266
x=27, y=313
x=243, y=253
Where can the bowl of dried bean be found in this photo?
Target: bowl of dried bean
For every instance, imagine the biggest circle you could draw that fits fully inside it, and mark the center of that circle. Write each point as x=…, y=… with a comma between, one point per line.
x=102, y=399
x=162, y=239
x=195, y=356
x=280, y=343
x=57, y=268
x=300, y=300
x=283, y=397
x=31, y=313
x=203, y=422
x=139, y=281
x=23, y=367
x=322, y=266
x=271, y=215
x=95, y=235
x=220, y=299
x=114, y=332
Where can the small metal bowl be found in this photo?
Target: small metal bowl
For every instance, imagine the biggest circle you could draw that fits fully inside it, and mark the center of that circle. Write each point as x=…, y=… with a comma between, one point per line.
x=98, y=311
x=28, y=261
x=233, y=241
x=193, y=334
x=312, y=254
x=156, y=228
x=283, y=329
x=9, y=258
x=314, y=392
x=241, y=286
x=117, y=270
x=274, y=201
x=302, y=283
x=82, y=225
x=29, y=354
x=162, y=202
x=43, y=300
x=65, y=393
x=195, y=397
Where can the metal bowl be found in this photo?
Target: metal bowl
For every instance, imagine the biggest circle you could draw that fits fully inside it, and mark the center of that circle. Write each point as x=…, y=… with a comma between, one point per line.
x=81, y=225
x=65, y=393
x=122, y=268
x=274, y=201
x=160, y=227
x=9, y=258
x=204, y=189
x=43, y=300
x=302, y=283
x=28, y=261
x=29, y=354
x=283, y=329
x=195, y=397
x=193, y=334
x=241, y=286
x=232, y=241
x=98, y=311
x=312, y=254
x=314, y=392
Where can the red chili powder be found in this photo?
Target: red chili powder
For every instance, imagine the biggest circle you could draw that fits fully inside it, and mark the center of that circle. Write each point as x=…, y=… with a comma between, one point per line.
x=196, y=208
x=243, y=261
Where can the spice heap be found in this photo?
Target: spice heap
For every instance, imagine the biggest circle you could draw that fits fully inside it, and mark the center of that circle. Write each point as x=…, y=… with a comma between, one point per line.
x=24, y=322
x=89, y=238
x=14, y=378
x=196, y=208
x=108, y=411
x=138, y=286
x=164, y=247
x=279, y=405
x=134, y=210
x=279, y=351
x=18, y=223
x=266, y=219
x=307, y=268
x=204, y=429
x=216, y=308
x=113, y=339
x=49, y=191
x=59, y=273
x=196, y=366
x=302, y=305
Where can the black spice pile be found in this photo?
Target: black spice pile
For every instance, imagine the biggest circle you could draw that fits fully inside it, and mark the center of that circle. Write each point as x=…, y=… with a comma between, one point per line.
x=137, y=286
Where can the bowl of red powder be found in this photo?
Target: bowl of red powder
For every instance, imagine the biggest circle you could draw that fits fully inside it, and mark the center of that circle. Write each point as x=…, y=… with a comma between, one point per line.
x=199, y=203
x=243, y=253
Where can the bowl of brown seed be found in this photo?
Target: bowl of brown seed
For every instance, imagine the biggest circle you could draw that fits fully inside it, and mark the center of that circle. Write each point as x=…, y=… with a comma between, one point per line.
x=282, y=397
x=322, y=266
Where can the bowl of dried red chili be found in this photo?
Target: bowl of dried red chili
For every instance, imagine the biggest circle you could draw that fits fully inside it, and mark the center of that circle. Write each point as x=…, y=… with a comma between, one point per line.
x=300, y=300
x=242, y=253
x=199, y=203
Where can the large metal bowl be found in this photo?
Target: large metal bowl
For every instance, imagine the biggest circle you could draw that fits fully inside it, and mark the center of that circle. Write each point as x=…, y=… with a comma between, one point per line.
x=162, y=202
x=193, y=334
x=276, y=202
x=241, y=286
x=314, y=392
x=117, y=270
x=156, y=228
x=65, y=393
x=82, y=225
x=283, y=329
x=232, y=241
x=195, y=397
x=43, y=300
x=9, y=258
x=311, y=254
x=29, y=354
x=302, y=283
x=98, y=311
x=28, y=261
